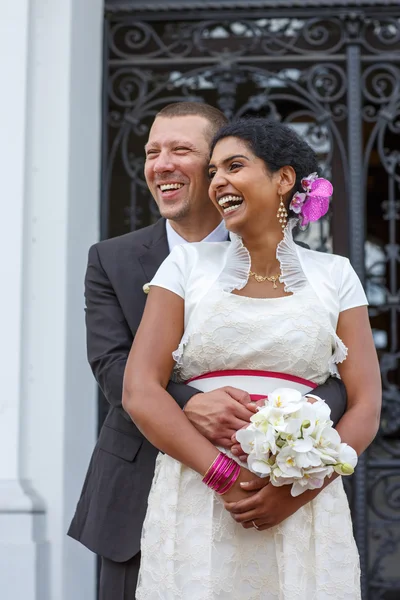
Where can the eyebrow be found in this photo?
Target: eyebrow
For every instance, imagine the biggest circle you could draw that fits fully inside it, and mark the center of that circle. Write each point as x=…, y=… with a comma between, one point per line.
x=229, y=158
x=172, y=143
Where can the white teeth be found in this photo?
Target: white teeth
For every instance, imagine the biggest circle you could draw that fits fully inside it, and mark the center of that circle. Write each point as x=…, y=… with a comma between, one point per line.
x=231, y=208
x=226, y=199
x=171, y=186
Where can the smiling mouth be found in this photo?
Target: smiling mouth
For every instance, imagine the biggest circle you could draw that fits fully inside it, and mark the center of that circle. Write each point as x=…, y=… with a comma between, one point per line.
x=230, y=203
x=167, y=187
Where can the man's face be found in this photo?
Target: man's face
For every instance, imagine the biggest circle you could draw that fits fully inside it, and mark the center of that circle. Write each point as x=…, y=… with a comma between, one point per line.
x=176, y=165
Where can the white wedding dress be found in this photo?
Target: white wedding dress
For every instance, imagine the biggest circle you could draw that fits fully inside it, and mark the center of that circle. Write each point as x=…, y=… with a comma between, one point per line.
x=191, y=547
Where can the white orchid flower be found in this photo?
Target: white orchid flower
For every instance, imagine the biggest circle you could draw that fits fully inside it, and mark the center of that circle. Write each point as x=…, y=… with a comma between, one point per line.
x=347, y=460
x=261, y=467
x=321, y=411
x=247, y=438
x=327, y=447
x=326, y=437
x=312, y=480
x=285, y=399
x=300, y=445
x=278, y=480
x=271, y=439
x=261, y=419
x=293, y=427
x=277, y=419
x=286, y=462
x=257, y=441
x=305, y=460
x=307, y=419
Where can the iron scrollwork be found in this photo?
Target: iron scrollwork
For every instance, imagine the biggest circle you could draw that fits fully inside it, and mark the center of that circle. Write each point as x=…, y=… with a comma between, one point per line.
x=381, y=111
x=272, y=37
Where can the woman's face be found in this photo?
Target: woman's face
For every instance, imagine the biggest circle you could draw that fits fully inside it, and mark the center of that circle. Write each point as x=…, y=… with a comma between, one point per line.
x=241, y=188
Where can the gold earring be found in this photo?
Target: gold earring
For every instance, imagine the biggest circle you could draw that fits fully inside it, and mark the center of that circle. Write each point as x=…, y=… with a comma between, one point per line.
x=282, y=214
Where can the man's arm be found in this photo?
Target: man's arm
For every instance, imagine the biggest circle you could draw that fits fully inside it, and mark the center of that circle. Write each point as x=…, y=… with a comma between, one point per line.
x=334, y=393
x=109, y=338
x=216, y=415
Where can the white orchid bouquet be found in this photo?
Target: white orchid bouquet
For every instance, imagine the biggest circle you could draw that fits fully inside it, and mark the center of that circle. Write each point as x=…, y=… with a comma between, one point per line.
x=292, y=441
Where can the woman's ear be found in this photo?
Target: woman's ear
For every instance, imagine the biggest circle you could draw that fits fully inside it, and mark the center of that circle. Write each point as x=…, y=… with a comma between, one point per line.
x=287, y=179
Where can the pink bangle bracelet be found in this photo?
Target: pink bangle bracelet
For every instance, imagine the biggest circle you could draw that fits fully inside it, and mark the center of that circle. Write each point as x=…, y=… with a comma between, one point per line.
x=213, y=468
x=222, y=474
x=231, y=481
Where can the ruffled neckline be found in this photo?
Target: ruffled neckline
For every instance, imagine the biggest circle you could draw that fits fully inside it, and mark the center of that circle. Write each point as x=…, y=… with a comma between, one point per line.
x=236, y=271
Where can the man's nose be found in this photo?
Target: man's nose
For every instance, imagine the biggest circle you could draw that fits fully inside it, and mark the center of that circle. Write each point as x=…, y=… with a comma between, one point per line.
x=163, y=163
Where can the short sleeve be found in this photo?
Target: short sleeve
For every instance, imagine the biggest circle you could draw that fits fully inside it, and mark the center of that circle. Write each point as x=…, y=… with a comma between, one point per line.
x=351, y=293
x=172, y=273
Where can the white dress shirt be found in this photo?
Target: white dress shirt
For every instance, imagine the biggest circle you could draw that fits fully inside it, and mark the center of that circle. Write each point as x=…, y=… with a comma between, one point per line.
x=219, y=234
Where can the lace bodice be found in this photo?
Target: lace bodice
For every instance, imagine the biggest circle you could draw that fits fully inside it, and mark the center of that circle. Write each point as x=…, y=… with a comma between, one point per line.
x=294, y=334
x=290, y=335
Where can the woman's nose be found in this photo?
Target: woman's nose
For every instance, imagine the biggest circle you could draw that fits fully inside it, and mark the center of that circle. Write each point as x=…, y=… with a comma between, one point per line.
x=218, y=181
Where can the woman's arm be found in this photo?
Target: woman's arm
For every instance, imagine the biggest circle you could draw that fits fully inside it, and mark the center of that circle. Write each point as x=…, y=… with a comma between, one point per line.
x=361, y=376
x=148, y=403
x=147, y=373
x=358, y=426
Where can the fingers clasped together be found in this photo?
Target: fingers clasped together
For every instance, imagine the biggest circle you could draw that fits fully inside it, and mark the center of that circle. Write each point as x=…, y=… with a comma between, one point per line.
x=266, y=507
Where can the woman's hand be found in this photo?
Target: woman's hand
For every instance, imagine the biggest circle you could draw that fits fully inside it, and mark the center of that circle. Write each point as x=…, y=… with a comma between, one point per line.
x=267, y=507
x=245, y=486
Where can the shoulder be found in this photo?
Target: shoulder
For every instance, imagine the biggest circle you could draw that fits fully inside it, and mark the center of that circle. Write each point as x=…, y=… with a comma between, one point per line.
x=134, y=240
x=333, y=275
x=334, y=264
x=192, y=263
x=323, y=258
x=202, y=252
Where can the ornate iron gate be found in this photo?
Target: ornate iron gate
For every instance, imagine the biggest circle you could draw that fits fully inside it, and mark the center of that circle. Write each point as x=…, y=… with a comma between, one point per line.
x=332, y=71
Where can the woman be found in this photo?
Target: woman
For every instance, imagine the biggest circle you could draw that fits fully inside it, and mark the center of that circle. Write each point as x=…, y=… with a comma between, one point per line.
x=256, y=304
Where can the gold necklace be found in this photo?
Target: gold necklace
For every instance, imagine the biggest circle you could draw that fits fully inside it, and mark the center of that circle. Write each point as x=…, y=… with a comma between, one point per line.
x=260, y=278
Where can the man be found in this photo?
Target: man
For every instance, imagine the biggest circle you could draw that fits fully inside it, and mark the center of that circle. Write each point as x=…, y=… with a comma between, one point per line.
x=112, y=506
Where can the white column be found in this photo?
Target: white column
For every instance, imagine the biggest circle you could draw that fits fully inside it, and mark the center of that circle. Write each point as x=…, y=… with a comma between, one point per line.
x=21, y=511
x=51, y=58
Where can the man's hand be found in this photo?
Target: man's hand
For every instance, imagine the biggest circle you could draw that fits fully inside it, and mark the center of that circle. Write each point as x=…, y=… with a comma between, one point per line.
x=269, y=506
x=217, y=415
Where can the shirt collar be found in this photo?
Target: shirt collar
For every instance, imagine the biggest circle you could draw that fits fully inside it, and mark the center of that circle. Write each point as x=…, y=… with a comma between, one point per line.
x=219, y=234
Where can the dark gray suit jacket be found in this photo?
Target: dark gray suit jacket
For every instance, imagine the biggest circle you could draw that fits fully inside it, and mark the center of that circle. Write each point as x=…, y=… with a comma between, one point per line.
x=110, y=512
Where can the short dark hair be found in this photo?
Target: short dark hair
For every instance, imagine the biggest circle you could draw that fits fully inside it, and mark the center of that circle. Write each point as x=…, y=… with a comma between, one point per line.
x=213, y=115
x=278, y=145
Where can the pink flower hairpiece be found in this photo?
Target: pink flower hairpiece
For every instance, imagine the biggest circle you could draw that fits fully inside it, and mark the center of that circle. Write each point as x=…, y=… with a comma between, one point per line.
x=314, y=202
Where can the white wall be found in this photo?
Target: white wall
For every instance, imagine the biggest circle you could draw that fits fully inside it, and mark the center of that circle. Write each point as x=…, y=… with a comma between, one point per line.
x=51, y=59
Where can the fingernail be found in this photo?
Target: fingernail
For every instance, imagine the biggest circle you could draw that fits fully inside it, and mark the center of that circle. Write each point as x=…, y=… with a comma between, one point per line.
x=244, y=484
x=235, y=452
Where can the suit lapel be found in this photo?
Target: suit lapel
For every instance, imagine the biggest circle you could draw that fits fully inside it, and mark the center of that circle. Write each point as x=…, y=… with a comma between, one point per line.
x=155, y=251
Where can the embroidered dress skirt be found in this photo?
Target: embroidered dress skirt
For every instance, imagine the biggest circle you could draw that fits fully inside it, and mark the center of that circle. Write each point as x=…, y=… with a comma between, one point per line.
x=192, y=549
